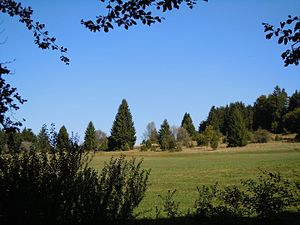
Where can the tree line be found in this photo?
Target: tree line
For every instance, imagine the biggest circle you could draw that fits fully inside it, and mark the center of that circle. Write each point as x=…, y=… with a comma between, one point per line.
x=237, y=123
x=276, y=113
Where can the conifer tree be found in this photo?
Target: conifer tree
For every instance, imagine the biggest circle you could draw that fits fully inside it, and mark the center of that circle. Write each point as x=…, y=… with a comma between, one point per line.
x=165, y=137
x=3, y=140
x=28, y=135
x=123, y=131
x=237, y=132
x=294, y=101
x=63, y=140
x=90, y=143
x=43, y=139
x=187, y=123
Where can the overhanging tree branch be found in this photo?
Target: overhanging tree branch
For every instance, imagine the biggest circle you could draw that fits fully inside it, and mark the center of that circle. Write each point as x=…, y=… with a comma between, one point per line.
x=42, y=38
x=287, y=35
x=129, y=13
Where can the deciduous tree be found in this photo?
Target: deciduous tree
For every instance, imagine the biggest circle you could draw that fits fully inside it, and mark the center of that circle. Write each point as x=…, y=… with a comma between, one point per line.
x=288, y=33
x=9, y=102
x=151, y=133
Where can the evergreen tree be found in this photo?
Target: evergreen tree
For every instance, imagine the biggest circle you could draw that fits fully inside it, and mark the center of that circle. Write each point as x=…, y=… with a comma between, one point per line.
x=123, y=131
x=28, y=135
x=90, y=143
x=292, y=121
x=165, y=137
x=237, y=132
x=13, y=141
x=279, y=104
x=215, y=117
x=63, y=140
x=3, y=141
x=203, y=124
x=43, y=143
x=294, y=101
x=262, y=113
x=187, y=124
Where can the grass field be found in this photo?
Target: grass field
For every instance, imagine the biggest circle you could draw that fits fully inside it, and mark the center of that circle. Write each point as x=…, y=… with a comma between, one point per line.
x=186, y=170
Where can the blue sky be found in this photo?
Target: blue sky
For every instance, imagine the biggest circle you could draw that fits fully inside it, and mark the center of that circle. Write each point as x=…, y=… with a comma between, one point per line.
x=212, y=55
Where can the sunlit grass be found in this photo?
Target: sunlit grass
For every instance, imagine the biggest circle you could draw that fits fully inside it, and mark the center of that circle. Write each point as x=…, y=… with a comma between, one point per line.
x=186, y=170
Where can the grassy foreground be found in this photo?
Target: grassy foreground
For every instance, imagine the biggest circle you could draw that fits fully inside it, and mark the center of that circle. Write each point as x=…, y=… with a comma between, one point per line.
x=186, y=170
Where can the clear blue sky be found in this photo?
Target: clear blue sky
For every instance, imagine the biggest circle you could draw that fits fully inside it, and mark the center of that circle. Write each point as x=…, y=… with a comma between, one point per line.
x=212, y=55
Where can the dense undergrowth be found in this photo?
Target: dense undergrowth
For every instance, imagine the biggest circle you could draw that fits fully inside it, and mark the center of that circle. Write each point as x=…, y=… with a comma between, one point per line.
x=61, y=188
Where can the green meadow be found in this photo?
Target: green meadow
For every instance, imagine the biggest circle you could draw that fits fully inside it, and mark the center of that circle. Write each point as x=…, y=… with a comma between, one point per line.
x=186, y=170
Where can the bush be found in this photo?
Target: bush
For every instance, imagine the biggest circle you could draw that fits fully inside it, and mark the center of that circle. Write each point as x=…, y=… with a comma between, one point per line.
x=214, y=142
x=209, y=137
x=266, y=197
x=261, y=136
x=202, y=140
x=61, y=188
x=278, y=138
x=297, y=138
x=170, y=207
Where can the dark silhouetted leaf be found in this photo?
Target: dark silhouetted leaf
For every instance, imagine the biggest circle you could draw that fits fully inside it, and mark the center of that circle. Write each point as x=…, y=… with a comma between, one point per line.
x=268, y=36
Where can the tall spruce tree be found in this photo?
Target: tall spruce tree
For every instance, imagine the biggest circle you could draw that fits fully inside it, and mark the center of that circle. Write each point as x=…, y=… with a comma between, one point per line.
x=187, y=124
x=237, y=131
x=43, y=142
x=165, y=137
x=63, y=140
x=90, y=143
x=123, y=131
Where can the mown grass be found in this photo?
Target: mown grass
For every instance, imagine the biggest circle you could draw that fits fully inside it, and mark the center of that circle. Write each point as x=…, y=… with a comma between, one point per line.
x=186, y=170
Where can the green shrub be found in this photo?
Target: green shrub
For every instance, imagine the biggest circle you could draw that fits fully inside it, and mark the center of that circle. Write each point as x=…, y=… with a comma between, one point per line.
x=202, y=140
x=146, y=145
x=278, y=137
x=266, y=197
x=214, y=142
x=170, y=207
x=61, y=188
x=269, y=195
x=261, y=136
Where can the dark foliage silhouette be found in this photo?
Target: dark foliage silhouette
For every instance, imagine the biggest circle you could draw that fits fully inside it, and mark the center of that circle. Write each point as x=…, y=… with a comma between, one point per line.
x=128, y=13
x=61, y=188
x=265, y=197
x=9, y=102
x=90, y=138
x=25, y=15
x=287, y=35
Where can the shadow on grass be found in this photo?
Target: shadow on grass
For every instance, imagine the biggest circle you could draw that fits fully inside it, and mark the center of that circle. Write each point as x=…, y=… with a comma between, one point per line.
x=283, y=219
